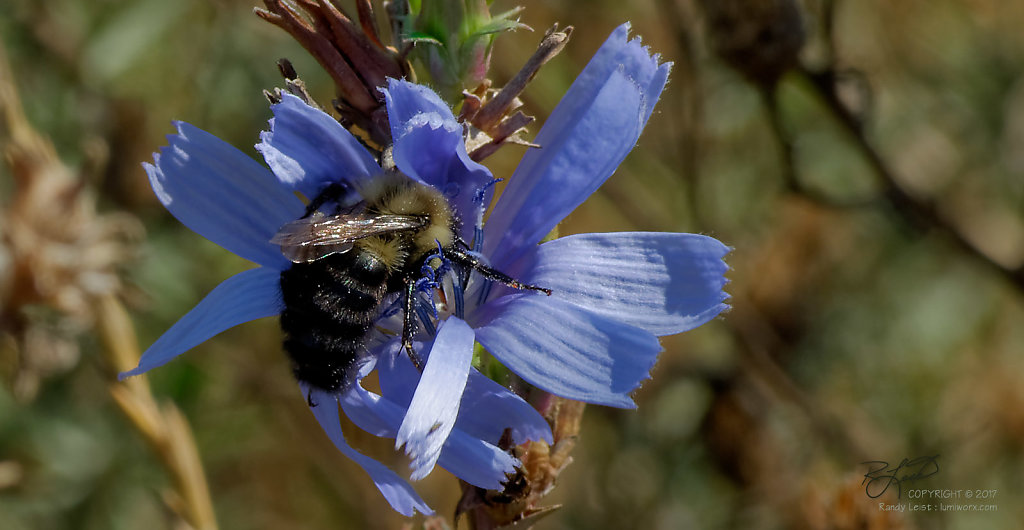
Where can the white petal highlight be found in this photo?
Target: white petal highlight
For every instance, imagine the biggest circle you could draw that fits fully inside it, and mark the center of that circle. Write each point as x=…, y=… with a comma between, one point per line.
x=435, y=404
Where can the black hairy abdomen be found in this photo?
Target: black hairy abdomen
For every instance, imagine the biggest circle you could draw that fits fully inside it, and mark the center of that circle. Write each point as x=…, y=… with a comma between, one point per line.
x=330, y=306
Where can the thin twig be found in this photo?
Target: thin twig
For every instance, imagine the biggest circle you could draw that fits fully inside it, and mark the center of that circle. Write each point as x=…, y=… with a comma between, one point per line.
x=785, y=144
x=790, y=169
x=919, y=213
x=827, y=21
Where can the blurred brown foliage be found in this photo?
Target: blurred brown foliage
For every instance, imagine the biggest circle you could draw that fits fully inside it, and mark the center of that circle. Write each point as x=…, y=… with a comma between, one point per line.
x=874, y=197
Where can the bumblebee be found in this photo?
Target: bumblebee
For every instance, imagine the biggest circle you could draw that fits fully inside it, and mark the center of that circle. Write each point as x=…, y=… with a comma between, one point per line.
x=349, y=265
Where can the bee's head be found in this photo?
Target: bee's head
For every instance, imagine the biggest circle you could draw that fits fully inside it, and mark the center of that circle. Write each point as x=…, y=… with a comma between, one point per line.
x=395, y=193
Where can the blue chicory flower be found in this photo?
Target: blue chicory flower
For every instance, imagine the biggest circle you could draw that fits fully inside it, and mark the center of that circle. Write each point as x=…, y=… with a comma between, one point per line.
x=594, y=339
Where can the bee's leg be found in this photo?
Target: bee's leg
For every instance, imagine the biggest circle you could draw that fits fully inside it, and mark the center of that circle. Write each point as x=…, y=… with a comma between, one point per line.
x=408, y=322
x=470, y=260
x=309, y=399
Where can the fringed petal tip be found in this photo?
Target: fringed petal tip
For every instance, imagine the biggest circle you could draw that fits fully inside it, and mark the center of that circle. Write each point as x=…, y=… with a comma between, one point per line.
x=405, y=100
x=429, y=120
x=130, y=373
x=429, y=148
x=463, y=454
x=588, y=135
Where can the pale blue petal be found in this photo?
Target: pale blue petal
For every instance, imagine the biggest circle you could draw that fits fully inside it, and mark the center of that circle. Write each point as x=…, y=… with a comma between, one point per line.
x=435, y=404
x=248, y=295
x=429, y=148
x=222, y=194
x=487, y=408
x=308, y=149
x=372, y=412
x=665, y=283
x=475, y=461
x=396, y=490
x=617, y=53
x=566, y=350
x=398, y=376
x=480, y=463
x=587, y=136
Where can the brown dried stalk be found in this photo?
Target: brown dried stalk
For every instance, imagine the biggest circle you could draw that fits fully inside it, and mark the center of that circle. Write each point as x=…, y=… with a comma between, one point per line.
x=164, y=427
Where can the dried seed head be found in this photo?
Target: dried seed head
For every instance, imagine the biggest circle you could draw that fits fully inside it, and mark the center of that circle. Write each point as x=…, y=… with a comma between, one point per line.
x=541, y=466
x=57, y=254
x=352, y=54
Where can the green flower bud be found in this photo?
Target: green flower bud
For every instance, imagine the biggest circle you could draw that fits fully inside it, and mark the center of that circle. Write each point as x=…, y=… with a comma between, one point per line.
x=453, y=40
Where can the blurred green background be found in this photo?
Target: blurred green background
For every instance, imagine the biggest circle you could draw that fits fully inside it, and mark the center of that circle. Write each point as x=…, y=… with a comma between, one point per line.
x=859, y=330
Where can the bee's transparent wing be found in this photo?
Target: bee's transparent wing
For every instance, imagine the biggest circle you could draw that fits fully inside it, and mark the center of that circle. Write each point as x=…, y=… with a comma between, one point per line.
x=311, y=238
